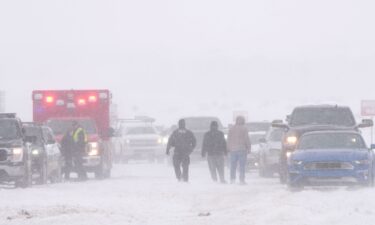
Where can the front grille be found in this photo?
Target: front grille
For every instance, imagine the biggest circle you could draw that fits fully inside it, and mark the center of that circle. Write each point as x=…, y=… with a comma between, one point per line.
x=329, y=166
x=143, y=143
x=3, y=155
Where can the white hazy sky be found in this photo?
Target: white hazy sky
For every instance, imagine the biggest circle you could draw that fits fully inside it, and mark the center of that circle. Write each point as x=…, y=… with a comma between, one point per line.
x=168, y=58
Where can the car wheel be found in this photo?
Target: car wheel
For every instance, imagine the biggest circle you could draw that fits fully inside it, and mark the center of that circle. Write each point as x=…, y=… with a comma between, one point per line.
x=43, y=174
x=293, y=186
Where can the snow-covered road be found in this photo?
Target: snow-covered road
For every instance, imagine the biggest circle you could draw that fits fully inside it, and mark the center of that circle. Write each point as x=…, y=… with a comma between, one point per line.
x=143, y=194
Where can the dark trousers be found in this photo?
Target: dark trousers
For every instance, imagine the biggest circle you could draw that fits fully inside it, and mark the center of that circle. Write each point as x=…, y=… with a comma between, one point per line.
x=216, y=166
x=68, y=167
x=184, y=162
x=81, y=171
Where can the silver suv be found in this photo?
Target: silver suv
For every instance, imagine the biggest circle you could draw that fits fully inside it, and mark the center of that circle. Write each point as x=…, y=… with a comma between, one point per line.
x=15, y=154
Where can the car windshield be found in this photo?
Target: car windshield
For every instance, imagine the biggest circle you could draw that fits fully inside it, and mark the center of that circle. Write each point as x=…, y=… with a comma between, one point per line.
x=256, y=127
x=255, y=138
x=276, y=135
x=322, y=116
x=33, y=131
x=140, y=131
x=331, y=141
x=9, y=129
x=201, y=124
x=60, y=127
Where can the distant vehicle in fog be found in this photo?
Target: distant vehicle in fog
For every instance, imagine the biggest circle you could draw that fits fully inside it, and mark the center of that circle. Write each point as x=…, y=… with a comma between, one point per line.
x=269, y=153
x=45, y=153
x=15, y=152
x=330, y=158
x=139, y=139
x=257, y=131
x=314, y=118
x=199, y=126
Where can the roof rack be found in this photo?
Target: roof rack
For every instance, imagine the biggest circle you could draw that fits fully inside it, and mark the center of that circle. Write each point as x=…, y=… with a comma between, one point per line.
x=8, y=115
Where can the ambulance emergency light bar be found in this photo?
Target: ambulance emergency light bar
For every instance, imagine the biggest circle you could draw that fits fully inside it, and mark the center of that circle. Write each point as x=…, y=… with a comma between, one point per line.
x=81, y=100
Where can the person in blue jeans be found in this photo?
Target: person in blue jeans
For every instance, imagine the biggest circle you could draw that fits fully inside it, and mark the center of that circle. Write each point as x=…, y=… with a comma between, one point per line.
x=239, y=146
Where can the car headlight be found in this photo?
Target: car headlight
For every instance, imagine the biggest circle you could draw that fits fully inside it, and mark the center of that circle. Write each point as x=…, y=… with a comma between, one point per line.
x=226, y=136
x=362, y=162
x=297, y=162
x=165, y=140
x=291, y=140
x=160, y=141
x=289, y=154
x=35, y=152
x=93, y=149
x=17, y=154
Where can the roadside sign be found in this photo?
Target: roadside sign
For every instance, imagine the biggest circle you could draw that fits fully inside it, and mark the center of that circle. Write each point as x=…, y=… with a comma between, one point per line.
x=368, y=108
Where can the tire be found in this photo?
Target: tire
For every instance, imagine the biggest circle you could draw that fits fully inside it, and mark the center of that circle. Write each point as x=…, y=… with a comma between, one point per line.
x=103, y=171
x=43, y=179
x=292, y=186
x=26, y=180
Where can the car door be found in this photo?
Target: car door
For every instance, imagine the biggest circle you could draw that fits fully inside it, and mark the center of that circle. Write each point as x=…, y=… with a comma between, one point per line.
x=52, y=150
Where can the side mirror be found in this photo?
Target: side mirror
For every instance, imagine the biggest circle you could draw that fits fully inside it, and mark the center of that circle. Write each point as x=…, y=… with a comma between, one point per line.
x=30, y=139
x=366, y=123
x=288, y=117
x=111, y=132
x=262, y=140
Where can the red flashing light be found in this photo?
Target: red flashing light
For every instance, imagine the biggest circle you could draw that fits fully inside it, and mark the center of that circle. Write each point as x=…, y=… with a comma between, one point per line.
x=92, y=98
x=81, y=101
x=49, y=99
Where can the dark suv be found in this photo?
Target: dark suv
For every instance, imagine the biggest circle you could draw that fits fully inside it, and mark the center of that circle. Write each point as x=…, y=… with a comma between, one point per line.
x=45, y=153
x=314, y=118
x=15, y=152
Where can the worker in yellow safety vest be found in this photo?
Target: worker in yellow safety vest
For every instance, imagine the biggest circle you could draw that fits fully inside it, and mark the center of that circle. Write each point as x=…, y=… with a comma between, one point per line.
x=80, y=142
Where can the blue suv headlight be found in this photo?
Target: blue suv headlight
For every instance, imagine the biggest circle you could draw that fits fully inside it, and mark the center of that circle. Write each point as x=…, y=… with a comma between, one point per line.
x=364, y=162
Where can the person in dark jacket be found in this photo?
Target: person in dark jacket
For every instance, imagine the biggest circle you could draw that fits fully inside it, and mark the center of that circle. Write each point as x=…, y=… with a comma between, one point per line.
x=80, y=142
x=215, y=147
x=67, y=147
x=183, y=141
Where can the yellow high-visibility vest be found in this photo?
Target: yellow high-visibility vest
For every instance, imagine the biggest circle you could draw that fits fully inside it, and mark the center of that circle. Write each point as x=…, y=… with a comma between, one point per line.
x=76, y=135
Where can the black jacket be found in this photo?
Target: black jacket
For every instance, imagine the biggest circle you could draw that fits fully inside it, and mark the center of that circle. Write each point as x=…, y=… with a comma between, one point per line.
x=67, y=145
x=214, y=143
x=183, y=141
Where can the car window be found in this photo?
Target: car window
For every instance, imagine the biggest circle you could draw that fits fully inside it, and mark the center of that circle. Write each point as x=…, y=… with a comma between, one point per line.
x=140, y=130
x=9, y=129
x=331, y=141
x=60, y=127
x=34, y=131
x=48, y=135
x=276, y=135
x=199, y=124
x=322, y=116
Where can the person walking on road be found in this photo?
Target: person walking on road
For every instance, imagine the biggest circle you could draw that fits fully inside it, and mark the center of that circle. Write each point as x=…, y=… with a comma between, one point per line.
x=239, y=146
x=215, y=147
x=183, y=141
x=80, y=142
